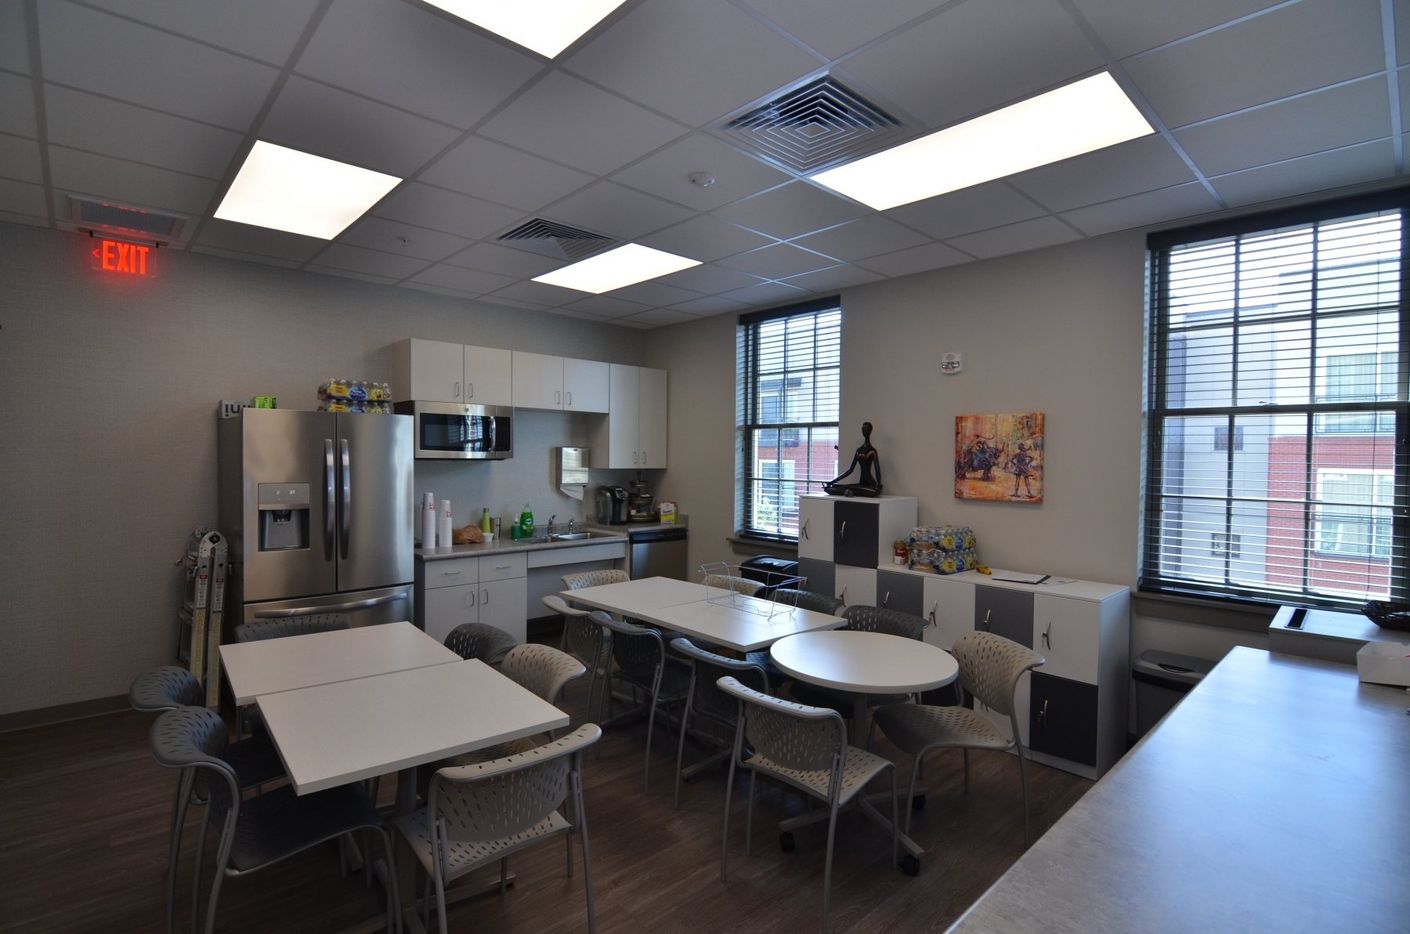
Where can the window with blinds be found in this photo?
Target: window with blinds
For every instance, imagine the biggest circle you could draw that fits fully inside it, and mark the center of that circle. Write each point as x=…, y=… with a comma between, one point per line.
x=1276, y=407
x=788, y=377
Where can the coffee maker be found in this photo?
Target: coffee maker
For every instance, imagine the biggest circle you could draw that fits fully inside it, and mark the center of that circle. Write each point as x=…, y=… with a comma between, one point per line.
x=641, y=505
x=611, y=505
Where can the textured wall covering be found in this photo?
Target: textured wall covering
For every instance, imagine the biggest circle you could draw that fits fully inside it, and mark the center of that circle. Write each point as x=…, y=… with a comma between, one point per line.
x=107, y=431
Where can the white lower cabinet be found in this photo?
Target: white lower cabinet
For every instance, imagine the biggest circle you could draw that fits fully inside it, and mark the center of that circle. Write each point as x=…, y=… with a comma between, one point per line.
x=454, y=591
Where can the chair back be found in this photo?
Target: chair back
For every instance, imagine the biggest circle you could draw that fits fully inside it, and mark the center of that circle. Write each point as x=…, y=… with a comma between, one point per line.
x=806, y=739
x=991, y=665
x=707, y=669
x=195, y=738
x=581, y=636
x=730, y=582
x=880, y=619
x=541, y=669
x=165, y=688
x=638, y=651
x=594, y=578
x=257, y=630
x=809, y=600
x=503, y=797
x=480, y=640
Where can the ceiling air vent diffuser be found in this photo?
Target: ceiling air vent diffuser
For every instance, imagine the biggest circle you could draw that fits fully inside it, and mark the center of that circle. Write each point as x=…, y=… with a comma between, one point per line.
x=104, y=217
x=818, y=125
x=548, y=238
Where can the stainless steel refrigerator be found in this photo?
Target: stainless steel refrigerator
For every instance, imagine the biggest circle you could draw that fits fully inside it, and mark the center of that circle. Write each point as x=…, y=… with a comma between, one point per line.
x=318, y=508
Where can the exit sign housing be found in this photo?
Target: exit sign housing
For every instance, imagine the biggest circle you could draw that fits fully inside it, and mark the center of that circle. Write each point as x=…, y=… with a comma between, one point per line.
x=130, y=259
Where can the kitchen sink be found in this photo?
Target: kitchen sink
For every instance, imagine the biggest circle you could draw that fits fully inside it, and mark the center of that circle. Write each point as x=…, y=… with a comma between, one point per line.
x=578, y=536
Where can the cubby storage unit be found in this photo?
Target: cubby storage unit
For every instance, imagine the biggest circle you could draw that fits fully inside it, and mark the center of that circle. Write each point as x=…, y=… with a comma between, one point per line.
x=492, y=589
x=843, y=540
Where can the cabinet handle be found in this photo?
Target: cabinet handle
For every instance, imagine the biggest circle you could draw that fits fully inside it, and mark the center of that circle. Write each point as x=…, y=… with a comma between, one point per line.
x=805, y=528
x=643, y=456
x=985, y=624
x=557, y=397
x=1043, y=713
x=1047, y=642
x=456, y=391
x=568, y=397
x=933, y=607
x=501, y=567
x=469, y=598
x=886, y=599
x=842, y=532
x=452, y=573
x=469, y=390
x=635, y=454
x=484, y=598
x=843, y=595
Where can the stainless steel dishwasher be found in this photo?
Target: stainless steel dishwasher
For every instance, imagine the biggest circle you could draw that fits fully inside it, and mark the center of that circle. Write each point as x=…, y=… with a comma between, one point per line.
x=657, y=553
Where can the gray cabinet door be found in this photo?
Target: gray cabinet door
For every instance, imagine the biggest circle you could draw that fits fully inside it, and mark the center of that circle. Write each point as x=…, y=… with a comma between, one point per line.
x=1062, y=718
x=820, y=578
x=1006, y=612
x=898, y=591
x=854, y=534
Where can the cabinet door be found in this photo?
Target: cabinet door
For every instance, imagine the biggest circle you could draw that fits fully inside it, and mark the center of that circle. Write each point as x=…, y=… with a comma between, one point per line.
x=1062, y=718
x=949, y=605
x=855, y=540
x=653, y=388
x=1006, y=612
x=854, y=586
x=538, y=381
x=900, y=591
x=818, y=573
x=488, y=376
x=585, y=385
x=502, y=605
x=437, y=372
x=623, y=402
x=1066, y=633
x=448, y=607
x=815, y=528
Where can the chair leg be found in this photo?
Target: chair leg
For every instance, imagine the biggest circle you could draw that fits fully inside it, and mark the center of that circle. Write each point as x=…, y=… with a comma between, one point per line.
x=911, y=795
x=227, y=840
x=577, y=782
x=440, y=895
x=896, y=821
x=827, y=866
x=178, y=820
x=503, y=875
x=749, y=816
x=393, y=895
x=680, y=745
x=724, y=833
x=196, y=869
x=1023, y=780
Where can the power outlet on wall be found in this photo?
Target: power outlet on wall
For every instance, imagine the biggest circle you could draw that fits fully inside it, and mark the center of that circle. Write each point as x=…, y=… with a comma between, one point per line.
x=951, y=363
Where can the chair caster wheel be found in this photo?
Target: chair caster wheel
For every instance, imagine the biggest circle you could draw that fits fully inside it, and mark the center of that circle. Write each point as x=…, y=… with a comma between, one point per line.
x=910, y=865
x=918, y=803
x=785, y=842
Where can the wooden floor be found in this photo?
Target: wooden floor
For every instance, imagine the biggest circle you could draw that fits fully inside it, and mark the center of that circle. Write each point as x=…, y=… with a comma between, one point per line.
x=84, y=812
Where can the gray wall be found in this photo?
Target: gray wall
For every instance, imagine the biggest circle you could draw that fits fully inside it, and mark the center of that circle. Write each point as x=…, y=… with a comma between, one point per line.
x=108, y=426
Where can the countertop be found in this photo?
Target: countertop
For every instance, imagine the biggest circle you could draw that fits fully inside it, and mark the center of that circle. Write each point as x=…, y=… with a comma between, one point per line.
x=509, y=545
x=1271, y=799
x=680, y=523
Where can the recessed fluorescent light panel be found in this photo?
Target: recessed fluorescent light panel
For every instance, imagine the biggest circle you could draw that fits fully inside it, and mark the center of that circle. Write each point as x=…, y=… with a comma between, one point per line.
x=616, y=269
x=285, y=189
x=1089, y=114
x=543, y=26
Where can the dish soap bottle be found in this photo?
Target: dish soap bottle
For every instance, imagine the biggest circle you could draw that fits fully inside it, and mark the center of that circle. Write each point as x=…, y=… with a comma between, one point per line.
x=526, y=522
x=485, y=524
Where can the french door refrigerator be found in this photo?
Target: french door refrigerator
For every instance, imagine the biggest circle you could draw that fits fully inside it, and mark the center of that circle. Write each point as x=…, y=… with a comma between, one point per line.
x=318, y=509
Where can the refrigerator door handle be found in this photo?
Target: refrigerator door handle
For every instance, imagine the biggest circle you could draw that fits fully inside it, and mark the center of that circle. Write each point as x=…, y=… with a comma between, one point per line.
x=329, y=498
x=345, y=513
x=334, y=608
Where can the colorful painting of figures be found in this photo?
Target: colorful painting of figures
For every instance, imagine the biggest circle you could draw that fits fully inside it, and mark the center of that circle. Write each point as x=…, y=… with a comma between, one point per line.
x=999, y=457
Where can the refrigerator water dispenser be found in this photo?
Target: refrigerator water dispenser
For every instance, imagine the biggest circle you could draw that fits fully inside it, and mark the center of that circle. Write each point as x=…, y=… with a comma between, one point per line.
x=283, y=516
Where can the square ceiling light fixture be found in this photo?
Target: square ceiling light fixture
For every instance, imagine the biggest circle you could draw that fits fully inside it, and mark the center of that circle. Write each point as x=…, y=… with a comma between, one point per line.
x=617, y=269
x=285, y=189
x=1089, y=114
x=543, y=26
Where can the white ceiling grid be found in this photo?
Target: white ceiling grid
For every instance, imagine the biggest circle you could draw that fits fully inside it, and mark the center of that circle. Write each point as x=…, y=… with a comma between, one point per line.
x=153, y=104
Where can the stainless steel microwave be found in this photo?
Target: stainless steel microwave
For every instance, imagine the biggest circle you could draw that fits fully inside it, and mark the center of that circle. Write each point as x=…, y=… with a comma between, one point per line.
x=450, y=430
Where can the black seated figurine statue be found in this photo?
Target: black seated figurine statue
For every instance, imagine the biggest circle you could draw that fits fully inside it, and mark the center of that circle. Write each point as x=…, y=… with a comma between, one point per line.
x=865, y=460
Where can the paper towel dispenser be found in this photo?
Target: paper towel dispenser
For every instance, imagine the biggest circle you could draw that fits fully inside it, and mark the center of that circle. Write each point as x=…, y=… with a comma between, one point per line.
x=571, y=464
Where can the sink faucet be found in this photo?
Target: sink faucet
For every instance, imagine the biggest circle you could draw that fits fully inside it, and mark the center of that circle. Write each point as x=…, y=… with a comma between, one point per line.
x=551, y=519
x=572, y=524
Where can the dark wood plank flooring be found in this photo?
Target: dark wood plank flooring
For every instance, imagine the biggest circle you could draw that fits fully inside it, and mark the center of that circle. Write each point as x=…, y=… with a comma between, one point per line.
x=84, y=812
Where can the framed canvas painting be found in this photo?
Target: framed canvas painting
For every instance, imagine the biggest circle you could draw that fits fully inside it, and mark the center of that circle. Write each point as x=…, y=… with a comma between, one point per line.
x=999, y=458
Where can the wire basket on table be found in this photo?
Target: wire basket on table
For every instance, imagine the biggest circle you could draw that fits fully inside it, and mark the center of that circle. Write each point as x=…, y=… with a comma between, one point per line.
x=727, y=585
x=1388, y=615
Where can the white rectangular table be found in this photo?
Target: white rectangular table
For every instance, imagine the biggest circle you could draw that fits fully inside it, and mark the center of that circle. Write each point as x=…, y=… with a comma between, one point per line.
x=634, y=597
x=273, y=665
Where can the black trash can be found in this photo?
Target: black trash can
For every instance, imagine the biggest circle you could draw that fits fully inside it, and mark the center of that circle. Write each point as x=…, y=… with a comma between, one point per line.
x=1162, y=678
x=771, y=571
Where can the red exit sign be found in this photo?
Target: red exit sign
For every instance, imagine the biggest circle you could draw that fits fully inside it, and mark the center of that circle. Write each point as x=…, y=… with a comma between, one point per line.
x=127, y=258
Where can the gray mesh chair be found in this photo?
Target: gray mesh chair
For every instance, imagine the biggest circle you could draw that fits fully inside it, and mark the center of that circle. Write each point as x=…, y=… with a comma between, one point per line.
x=584, y=640
x=641, y=661
x=804, y=748
x=479, y=814
x=260, y=831
x=864, y=619
x=258, y=629
x=480, y=640
x=594, y=578
x=729, y=582
x=705, y=701
x=804, y=600
x=990, y=668
x=540, y=669
x=254, y=760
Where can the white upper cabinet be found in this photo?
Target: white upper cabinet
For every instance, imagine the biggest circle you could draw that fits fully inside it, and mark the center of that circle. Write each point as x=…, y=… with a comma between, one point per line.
x=487, y=376
x=652, y=416
x=585, y=385
x=634, y=432
x=543, y=381
x=438, y=371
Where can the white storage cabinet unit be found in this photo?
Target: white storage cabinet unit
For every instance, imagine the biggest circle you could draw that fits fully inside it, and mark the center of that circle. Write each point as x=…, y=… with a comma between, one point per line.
x=544, y=381
x=437, y=371
x=492, y=589
x=634, y=433
x=1072, y=710
x=842, y=541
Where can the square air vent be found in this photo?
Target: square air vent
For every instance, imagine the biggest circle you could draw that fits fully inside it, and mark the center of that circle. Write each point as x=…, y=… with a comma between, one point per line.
x=559, y=241
x=106, y=217
x=816, y=126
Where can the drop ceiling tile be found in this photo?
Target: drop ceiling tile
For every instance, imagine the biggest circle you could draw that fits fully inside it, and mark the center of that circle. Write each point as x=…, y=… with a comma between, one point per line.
x=1252, y=62
x=705, y=238
x=377, y=233
x=262, y=29
x=129, y=183
x=435, y=289
x=654, y=294
x=248, y=239
x=974, y=57
x=349, y=274
x=791, y=211
x=710, y=305
x=606, y=306
x=19, y=159
x=368, y=262
x=1330, y=119
x=472, y=281
x=538, y=294
x=17, y=106
x=869, y=236
x=1404, y=79
x=562, y=117
x=21, y=198
x=1127, y=28
x=1151, y=207
x=693, y=61
x=834, y=279
x=424, y=206
x=245, y=257
x=846, y=26
x=1363, y=163
x=624, y=213
x=778, y=261
x=657, y=317
x=337, y=125
x=1144, y=164
x=151, y=68
x=633, y=323
x=766, y=293
x=709, y=279
x=515, y=303
x=490, y=170
x=579, y=315
x=509, y=262
x=916, y=259
x=85, y=121
x=14, y=38
x=967, y=210
x=403, y=54
x=1016, y=238
x=666, y=173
